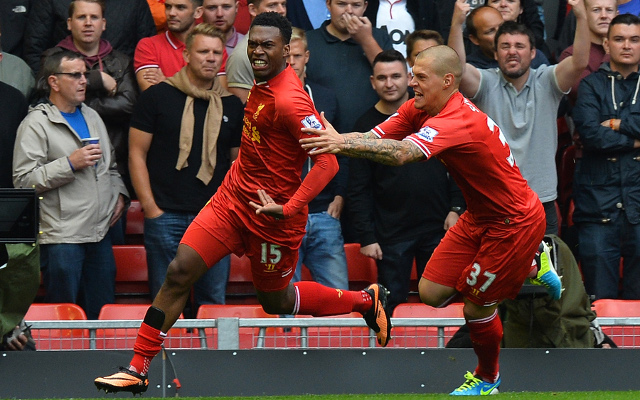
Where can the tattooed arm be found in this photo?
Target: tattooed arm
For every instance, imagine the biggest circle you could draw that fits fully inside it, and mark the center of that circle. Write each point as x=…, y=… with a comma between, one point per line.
x=361, y=145
x=384, y=151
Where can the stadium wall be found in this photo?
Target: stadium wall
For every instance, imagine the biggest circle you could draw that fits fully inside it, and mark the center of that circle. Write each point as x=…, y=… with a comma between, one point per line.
x=70, y=374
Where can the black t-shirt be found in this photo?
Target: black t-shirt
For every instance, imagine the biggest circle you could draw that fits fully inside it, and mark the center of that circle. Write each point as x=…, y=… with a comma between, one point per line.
x=14, y=109
x=159, y=112
x=395, y=204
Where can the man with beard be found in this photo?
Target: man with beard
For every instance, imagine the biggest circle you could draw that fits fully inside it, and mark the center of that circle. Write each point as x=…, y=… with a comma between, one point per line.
x=524, y=101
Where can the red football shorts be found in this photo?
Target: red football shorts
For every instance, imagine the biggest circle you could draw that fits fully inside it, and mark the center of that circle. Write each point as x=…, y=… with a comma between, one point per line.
x=272, y=265
x=486, y=263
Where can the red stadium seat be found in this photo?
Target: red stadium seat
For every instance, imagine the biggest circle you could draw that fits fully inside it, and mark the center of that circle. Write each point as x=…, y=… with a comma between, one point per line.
x=623, y=336
x=132, y=276
x=423, y=336
x=135, y=224
x=240, y=289
x=363, y=270
x=248, y=336
x=58, y=339
x=124, y=338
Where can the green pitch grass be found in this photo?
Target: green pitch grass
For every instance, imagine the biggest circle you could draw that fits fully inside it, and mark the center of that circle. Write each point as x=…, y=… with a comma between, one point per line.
x=517, y=396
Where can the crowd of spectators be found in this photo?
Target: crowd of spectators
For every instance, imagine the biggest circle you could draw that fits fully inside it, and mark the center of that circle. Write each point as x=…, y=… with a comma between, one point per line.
x=102, y=70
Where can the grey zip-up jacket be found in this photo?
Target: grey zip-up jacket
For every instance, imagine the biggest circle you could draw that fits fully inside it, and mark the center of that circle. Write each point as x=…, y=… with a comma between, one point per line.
x=76, y=207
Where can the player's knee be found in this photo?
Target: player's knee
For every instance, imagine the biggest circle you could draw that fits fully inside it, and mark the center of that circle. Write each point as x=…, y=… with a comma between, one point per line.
x=435, y=295
x=178, y=274
x=276, y=302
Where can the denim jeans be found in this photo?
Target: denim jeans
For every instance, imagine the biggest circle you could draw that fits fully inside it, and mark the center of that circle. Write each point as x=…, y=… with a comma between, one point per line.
x=322, y=251
x=81, y=273
x=118, y=230
x=162, y=236
x=600, y=248
x=394, y=270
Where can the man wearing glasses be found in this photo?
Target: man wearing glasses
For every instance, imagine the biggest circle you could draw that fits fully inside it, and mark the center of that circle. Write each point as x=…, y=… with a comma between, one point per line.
x=111, y=83
x=63, y=151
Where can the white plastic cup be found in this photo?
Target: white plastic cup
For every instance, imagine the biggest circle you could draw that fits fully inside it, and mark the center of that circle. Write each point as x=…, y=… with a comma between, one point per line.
x=91, y=140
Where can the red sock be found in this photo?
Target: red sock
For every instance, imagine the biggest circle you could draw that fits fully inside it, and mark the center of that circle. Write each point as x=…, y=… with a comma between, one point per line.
x=146, y=347
x=315, y=299
x=486, y=335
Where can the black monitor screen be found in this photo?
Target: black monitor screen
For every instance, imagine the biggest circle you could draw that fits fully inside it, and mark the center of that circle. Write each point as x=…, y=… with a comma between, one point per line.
x=18, y=216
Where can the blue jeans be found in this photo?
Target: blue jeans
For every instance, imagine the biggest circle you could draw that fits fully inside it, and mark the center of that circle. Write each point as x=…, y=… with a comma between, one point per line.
x=394, y=270
x=81, y=273
x=162, y=236
x=600, y=248
x=322, y=251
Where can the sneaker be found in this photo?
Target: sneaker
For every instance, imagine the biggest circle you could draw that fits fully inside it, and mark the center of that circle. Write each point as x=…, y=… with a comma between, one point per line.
x=474, y=386
x=377, y=318
x=547, y=275
x=123, y=381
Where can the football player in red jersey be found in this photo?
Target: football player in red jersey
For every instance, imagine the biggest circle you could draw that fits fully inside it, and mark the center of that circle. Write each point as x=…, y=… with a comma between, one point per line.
x=486, y=256
x=259, y=210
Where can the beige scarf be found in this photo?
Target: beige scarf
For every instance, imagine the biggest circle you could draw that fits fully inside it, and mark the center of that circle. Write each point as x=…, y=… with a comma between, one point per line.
x=212, y=122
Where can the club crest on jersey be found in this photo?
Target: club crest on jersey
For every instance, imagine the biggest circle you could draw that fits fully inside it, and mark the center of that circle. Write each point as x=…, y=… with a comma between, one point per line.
x=255, y=115
x=311, y=122
x=427, y=133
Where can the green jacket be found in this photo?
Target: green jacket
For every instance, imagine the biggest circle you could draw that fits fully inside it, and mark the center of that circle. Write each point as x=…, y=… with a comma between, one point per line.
x=539, y=322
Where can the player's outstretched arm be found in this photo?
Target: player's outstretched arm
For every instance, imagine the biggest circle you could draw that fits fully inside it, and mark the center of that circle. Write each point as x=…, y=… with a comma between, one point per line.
x=328, y=139
x=361, y=145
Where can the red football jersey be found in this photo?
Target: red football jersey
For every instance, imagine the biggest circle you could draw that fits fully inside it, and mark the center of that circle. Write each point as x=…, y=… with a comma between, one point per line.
x=164, y=51
x=271, y=157
x=475, y=152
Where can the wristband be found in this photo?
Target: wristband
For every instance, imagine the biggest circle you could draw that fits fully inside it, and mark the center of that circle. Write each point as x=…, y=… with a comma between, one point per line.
x=611, y=123
x=71, y=165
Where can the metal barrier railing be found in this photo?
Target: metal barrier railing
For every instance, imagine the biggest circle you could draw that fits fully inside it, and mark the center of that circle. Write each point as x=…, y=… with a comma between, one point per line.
x=280, y=333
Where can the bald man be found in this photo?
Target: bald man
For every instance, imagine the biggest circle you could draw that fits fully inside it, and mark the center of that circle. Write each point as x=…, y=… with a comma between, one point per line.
x=482, y=24
x=486, y=256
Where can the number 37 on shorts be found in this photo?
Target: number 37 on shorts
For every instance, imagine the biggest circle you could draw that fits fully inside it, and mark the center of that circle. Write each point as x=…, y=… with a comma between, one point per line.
x=479, y=280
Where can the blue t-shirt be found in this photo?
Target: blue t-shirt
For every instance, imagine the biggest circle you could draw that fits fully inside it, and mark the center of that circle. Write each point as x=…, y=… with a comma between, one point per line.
x=317, y=12
x=77, y=122
x=632, y=7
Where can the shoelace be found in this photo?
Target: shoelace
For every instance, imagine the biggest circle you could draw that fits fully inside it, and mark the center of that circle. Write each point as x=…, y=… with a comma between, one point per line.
x=471, y=382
